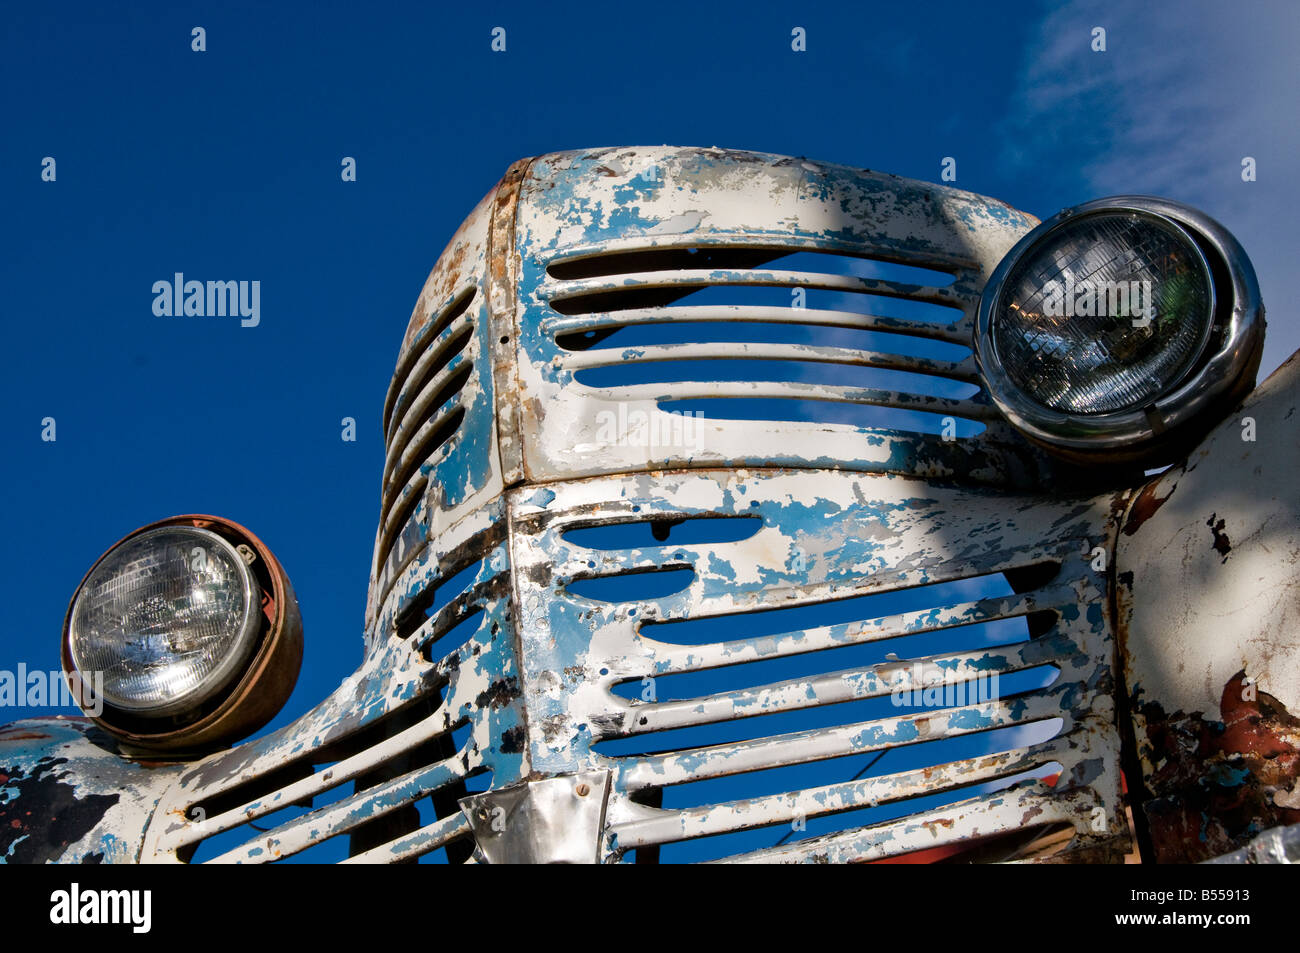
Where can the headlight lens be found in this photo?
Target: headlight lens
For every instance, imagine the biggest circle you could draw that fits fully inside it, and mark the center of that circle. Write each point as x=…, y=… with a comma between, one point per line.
x=1107, y=313
x=168, y=617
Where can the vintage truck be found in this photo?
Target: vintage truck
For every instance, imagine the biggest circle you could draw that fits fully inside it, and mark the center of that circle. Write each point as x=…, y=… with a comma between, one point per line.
x=748, y=508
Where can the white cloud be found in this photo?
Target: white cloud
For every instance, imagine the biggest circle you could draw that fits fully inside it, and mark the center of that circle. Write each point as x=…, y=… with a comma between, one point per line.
x=1183, y=92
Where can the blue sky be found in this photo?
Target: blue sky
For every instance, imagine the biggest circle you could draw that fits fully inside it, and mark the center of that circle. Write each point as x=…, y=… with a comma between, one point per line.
x=225, y=165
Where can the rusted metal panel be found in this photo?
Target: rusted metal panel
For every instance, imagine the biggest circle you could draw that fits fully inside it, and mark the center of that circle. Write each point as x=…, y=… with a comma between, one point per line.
x=1277, y=845
x=503, y=275
x=1207, y=595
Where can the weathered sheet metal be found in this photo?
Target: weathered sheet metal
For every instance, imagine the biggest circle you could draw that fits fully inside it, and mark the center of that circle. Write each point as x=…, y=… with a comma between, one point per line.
x=68, y=795
x=1208, y=599
x=824, y=536
x=582, y=206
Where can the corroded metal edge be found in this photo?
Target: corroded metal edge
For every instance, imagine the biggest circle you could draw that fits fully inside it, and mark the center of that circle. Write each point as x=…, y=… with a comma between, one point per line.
x=1207, y=598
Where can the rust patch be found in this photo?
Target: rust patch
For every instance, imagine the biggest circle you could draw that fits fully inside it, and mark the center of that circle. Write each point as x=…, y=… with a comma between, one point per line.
x=1215, y=783
x=1145, y=506
x=497, y=695
x=23, y=736
x=512, y=741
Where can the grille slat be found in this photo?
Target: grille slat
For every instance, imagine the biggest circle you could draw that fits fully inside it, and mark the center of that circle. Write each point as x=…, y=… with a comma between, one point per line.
x=342, y=816
x=819, y=393
x=437, y=393
x=427, y=839
x=733, y=816
x=964, y=370
x=942, y=826
x=572, y=297
x=819, y=744
x=432, y=372
x=404, y=457
x=400, y=503
x=771, y=243
x=560, y=325
x=670, y=659
x=346, y=770
x=419, y=351
x=931, y=828
x=848, y=685
x=823, y=258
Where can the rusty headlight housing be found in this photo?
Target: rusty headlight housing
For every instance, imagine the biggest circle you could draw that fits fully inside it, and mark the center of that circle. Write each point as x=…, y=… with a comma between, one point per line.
x=1120, y=330
x=184, y=636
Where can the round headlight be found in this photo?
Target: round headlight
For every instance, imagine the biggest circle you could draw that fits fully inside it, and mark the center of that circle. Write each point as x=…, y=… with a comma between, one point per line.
x=1115, y=324
x=168, y=617
x=184, y=636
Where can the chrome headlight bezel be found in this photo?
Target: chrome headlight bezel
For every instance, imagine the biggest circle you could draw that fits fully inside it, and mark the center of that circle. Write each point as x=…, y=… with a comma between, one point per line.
x=1223, y=370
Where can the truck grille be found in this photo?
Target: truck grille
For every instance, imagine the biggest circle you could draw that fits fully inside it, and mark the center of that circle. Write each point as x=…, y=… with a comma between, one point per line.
x=725, y=623
x=425, y=412
x=753, y=686
x=873, y=746
x=816, y=336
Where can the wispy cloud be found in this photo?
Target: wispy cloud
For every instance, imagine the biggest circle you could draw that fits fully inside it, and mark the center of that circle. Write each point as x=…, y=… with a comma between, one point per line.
x=1182, y=93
